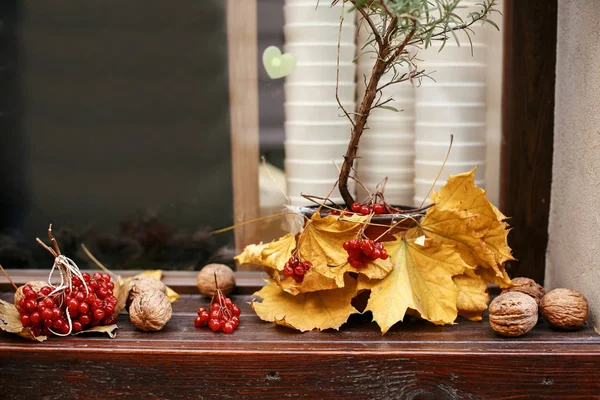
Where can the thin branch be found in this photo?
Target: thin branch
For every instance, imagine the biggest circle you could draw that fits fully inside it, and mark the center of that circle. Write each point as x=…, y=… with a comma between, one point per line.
x=367, y=18
x=337, y=75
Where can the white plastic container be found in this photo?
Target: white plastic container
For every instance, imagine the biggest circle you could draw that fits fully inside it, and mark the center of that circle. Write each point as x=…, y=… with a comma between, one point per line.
x=319, y=92
x=394, y=175
x=321, y=52
x=450, y=112
x=304, y=169
x=388, y=159
x=304, y=12
x=310, y=130
x=317, y=187
x=314, y=150
x=374, y=141
x=468, y=92
x=322, y=72
x=432, y=168
x=454, y=72
x=460, y=152
x=319, y=32
x=316, y=112
x=452, y=52
x=440, y=132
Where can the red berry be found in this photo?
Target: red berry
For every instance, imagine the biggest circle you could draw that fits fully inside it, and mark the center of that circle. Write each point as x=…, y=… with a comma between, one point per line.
x=30, y=304
x=36, y=331
x=35, y=317
x=378, y=208
x=109, y=320
x=45, y=291
x=98, y=314
x=75, y=281
x=235, y=321
x=355, y=207
x=57, y=324
x=109, y=309
x=86, y=276
x=198, y=322
x=47, y=323
x=46, y=313
x=72, y=305
x=214, y=324
x=375, y=254
x=204, y=316
x=97, y=304
x=215, y=307
x=110, y=286
x=355, y=263
x=25, y=320
x=85, y=319
x=298, y=278
x=102, y=293
x=97, y=275
x=288, y=270
x=384, y=255
x=80, y=296
x=299, y=270
x=65, y=329
x=106, y=277
x=48, y=302
x=93, y=284
x=83, y=308
x=214, y=314
x=228, y=327
x=77, y=326
x=235, y=310
x=364, y=210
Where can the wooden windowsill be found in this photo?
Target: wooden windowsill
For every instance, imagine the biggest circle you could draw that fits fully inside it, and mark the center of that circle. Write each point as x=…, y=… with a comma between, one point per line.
x=261, y=360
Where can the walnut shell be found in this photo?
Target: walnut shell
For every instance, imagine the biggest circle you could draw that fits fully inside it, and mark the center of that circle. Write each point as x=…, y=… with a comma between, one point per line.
x=35, y=285
x=150, y=311
x=564, y=308
x=513, y=314
x=527, y=286
x=206, y=279
x=143, y=284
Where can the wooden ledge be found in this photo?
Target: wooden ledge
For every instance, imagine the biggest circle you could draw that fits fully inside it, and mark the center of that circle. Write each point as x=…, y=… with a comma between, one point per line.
x=261, y=360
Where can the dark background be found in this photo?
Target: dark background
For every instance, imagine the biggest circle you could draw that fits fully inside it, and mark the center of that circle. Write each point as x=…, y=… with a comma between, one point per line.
x=114, y=126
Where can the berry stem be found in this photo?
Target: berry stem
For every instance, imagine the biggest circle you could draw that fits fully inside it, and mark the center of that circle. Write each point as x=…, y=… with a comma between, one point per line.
x=8, y=277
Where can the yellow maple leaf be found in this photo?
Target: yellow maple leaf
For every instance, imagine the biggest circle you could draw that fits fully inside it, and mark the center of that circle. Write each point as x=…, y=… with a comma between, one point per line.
x=420, y=280
x=322, y=244
x=473, y=297
x=327, y=309
x=461, y=193
x=273, y=255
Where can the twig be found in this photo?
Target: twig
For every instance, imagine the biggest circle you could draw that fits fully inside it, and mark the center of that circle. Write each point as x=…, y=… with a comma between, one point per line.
x=8, y=277
x=264, y=161
x=95, y=260
x=337, y=72
x=247, y=222
x=440, y=171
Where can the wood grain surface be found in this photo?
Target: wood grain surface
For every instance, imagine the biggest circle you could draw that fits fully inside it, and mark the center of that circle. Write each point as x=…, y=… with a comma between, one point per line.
x=415, y=360
x=528, y=129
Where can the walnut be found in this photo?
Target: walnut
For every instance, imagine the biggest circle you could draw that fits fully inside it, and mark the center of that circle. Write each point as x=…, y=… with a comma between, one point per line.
x=143, y=284
x=35, y=285
x=513, y=314
x=527, y=286
x=150, y=311
x=564, y=308
x=225, y=279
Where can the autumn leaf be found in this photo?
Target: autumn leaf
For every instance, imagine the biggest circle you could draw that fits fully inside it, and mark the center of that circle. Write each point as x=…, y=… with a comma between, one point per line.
x=327, y=309
x=473, y=297
x=322, y=244
x=108, y=329
x=420, y=280
x=273, y=255
x=461, y=193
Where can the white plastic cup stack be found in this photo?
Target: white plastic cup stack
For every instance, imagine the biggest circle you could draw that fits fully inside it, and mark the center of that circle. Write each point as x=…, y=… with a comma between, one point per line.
x=316, y=130
x=386, y=148
x=453, y=104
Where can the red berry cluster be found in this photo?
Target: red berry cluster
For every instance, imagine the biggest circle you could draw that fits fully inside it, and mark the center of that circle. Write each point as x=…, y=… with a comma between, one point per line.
x=224, y=315
x=45, y=312
x=368, y=209
x=360, y=252
x=296, y=268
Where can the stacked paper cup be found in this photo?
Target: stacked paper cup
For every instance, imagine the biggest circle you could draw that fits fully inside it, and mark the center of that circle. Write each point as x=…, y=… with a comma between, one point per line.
x=316, y=131
x=453, y=104
x=387, y=147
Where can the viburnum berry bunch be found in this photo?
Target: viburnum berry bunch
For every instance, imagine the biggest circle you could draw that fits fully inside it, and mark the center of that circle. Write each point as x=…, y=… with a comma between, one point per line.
x=86, y=303
x=222, y=315
x=362, y=251
x=296, y=269
x=366, y=209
